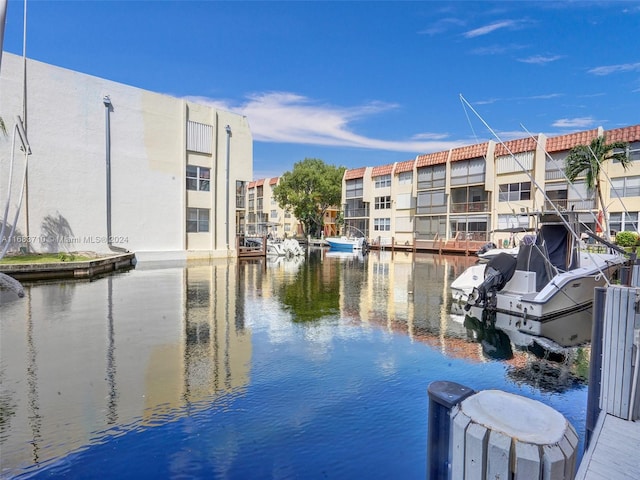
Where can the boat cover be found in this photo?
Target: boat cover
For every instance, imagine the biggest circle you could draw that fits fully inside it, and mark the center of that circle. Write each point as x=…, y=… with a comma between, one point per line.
x=547, y=255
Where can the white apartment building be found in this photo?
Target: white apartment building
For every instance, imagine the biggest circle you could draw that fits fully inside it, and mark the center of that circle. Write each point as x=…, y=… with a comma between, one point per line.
x=115, y=167
x=471, y=192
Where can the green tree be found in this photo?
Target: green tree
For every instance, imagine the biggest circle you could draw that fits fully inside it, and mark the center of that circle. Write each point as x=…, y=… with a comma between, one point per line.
x=587, y=161
x=308, y=191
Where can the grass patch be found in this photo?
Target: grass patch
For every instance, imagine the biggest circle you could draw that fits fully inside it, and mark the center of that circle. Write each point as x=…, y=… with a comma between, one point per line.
x=43, y=258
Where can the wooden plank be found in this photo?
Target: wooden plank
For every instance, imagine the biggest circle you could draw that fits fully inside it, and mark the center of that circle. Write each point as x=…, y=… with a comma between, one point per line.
x=606, y=336
x=617, y=367
x=553, y=463
x=528, y=465
x=569, y=447
x=499, y=456
x=476, y=450
x=459, y=429
x=613, y=452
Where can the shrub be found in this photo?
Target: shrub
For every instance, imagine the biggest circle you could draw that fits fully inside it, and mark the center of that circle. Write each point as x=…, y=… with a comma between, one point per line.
x=626, y=239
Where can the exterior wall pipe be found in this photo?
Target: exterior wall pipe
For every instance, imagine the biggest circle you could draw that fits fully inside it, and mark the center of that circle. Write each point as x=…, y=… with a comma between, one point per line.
x=3, y=21
x=595, y=364
x=228, y=193
x=107, y=108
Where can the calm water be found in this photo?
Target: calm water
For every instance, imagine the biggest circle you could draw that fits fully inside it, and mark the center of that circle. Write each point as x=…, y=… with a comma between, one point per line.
x=291, y=369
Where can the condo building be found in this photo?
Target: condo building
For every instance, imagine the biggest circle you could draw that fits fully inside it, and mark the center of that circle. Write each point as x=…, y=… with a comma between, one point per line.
x=474, y=192
x=90, y=164
x=265, y=217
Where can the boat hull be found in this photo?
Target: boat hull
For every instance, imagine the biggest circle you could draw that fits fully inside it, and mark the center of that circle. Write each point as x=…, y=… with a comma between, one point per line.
x=345, y=244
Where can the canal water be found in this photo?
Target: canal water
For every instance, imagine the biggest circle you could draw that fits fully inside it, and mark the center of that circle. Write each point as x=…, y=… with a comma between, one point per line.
x=291, y=368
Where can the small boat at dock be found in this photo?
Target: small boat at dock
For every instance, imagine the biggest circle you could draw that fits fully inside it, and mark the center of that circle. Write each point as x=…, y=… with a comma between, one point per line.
x=346, y=244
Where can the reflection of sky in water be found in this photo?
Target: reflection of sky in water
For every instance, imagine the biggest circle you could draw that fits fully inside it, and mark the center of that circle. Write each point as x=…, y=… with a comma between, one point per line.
x=202, y=373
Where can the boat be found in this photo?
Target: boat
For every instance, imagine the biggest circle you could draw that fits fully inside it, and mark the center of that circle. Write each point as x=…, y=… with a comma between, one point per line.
x=288, y=247
x=473, y=276
x=548, y=289
x=346, y=244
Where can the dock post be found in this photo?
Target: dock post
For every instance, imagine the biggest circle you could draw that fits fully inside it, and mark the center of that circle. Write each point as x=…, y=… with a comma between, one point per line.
x=443, y=396
x=595, y=364
x=497, y=434
x=621, y=320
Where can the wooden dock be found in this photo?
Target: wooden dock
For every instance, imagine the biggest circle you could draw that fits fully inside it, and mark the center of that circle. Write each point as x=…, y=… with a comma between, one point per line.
x=614, y=451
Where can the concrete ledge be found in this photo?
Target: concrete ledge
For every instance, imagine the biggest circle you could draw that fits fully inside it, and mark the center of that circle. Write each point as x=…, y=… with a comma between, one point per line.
x=85, y=269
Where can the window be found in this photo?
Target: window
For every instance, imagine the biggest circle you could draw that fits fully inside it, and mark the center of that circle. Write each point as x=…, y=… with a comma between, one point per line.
x=287, y=214
x=199, y=137
x=515, y=163
x=274, y=214
x=405, y=178
x=383, y=181
x=632, y=151
x=240, y=193
x=197, y=220
x=382, y=224
x=429, y=227
x=465, y=172
x=382, y=202
x=354, y=188
x=356, y=208
x=625, y=187
x=623, y=221
x=431, y=177
x=431, y=202
x=198, y=178
x=513, y=192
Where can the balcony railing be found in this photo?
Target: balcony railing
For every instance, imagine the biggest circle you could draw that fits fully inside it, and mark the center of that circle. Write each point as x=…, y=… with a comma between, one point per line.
x=470, y=207
x=554, y=175
x=356, y=212
x=568, y=205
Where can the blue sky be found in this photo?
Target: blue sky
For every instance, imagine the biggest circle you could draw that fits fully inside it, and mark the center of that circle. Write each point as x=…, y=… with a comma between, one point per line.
x=358, y=83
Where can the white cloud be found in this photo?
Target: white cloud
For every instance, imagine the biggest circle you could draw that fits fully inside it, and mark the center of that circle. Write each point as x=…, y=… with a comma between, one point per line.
x=540, y=59
x=441, y=26
x=580, y=122
x=609, y=69
x=284, y=117
x=490, y=28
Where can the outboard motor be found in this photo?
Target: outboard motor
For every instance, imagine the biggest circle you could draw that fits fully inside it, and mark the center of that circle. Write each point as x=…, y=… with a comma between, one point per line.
x=498, y=272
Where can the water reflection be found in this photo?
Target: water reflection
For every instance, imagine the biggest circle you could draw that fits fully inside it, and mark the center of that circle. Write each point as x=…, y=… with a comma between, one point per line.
x=123, y=351
x=85, y=362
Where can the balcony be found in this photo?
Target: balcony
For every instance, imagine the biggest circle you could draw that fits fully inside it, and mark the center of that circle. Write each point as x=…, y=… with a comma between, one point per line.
x=569, y=205
x=554, y=175
x=470, y=207
x=356, y=212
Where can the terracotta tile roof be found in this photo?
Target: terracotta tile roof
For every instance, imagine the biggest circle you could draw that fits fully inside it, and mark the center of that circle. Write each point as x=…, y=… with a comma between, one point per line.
x=404, y=166
x=567, y=142
x=382, y=170
x=273, y=181
x=516, y=146
x=354, y=173
x=432, y=159
x=625, y=134
x=469, y=152
x=251, y=185
x=260, y=182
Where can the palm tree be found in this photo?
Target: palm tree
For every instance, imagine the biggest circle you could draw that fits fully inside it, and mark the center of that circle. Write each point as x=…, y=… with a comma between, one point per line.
x=587, y=160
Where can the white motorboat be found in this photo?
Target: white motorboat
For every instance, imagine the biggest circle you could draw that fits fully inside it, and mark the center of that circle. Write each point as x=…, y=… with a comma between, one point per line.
x=464, y=284
x=346, y=244
x=289, y=247
x=548, y=289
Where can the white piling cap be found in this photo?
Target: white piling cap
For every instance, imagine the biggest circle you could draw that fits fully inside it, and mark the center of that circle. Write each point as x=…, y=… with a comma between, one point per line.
x=520, y=418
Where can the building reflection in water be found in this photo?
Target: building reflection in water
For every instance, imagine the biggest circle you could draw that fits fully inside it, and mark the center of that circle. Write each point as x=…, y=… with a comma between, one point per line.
x=82, y=361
